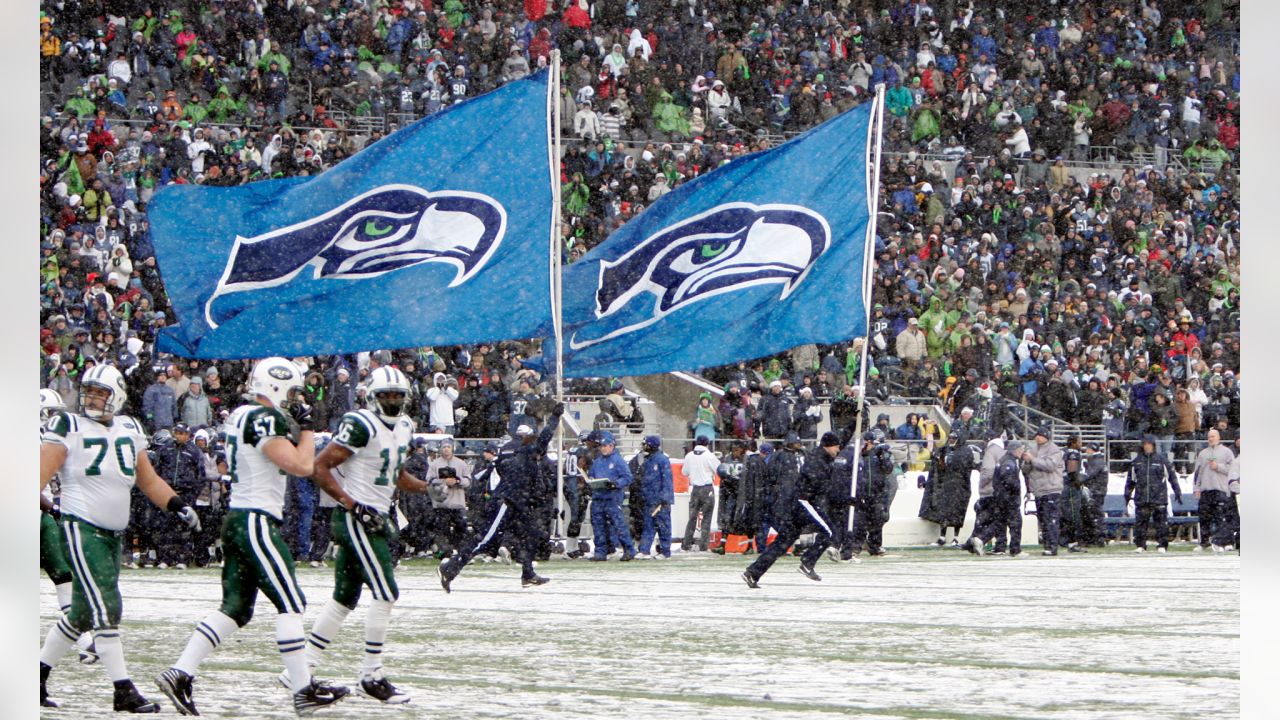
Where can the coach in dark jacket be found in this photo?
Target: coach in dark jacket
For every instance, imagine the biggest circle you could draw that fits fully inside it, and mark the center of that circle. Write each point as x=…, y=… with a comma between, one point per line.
x=1150, y=474
x=1006, y=496
x=181, y=463
x=870, y=511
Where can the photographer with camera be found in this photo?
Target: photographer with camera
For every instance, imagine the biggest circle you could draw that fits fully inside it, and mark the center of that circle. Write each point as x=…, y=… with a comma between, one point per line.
x=448, y=479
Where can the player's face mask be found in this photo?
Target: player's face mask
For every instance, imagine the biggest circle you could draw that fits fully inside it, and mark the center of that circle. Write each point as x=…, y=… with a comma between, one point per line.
x=94, y=400
x=392, y=403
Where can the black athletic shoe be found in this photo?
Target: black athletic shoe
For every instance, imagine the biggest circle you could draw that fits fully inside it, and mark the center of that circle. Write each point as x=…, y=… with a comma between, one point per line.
x=574, y=554
x=628, y=557
x=1050, y=553
x=535, y=580
x=176, y=685
x=752, y=582
x=597, y=558
x=317, y=695
x=810, y=573
x=379, y=688
x=128, y=699
x=1076, y=549
x=45, y=700
x=444, y=579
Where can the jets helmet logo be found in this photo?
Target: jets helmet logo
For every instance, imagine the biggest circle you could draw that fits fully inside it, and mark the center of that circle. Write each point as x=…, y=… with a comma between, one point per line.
x=389, y=228
x=725, y=249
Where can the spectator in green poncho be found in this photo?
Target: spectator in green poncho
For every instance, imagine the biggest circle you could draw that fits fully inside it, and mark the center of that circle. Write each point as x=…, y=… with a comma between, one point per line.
x=928, y=123
x=80, y=105
x=669, y=117
x=193, y=112
x=575, y=196
x=222, y=107
x=937, y=324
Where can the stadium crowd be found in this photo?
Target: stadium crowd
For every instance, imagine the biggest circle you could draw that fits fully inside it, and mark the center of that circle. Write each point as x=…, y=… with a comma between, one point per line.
x=1108, y=296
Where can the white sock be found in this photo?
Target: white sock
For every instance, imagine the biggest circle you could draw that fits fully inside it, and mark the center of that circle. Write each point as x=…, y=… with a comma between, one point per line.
x=291, y=641
x=208, y=635
x=86, y=639
x=58, y=642
x=325, y=629
x=375, y=634
x=64, y=596
x=111, y=653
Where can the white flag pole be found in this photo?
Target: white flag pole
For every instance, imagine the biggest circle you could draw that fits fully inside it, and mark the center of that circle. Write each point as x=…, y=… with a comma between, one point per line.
x=553, y=114
x=868, y=272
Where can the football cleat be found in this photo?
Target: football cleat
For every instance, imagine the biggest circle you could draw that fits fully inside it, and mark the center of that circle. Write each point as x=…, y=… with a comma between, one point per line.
x=752, y=582
x=1162, y=550
x=535, y=580
x=975, y=546
x=176, y=685
x=128, y=699
x=379, y=688
x=809, y=572
x=317, y=695
x=1140, y=549
x=45, y=700
x=504, y=555
x=445, y=580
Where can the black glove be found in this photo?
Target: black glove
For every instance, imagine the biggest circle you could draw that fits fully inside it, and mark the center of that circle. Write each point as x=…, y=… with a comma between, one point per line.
x=920, y=481
x=368, y=518
x=1177, y=499
x=301, y=414
x=55, y=512
x=558, y=410
x=610, y=485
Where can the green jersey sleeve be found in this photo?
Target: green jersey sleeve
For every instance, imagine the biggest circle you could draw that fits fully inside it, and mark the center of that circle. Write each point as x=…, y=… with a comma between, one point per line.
x=56, y=429
x=352, y=433
x=263, y=424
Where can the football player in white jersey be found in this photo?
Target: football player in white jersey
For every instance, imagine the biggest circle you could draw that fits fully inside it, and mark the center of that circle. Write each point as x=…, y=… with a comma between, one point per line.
x=261, y=450
x=54, y=559
x=367, y=456
x=99, y=454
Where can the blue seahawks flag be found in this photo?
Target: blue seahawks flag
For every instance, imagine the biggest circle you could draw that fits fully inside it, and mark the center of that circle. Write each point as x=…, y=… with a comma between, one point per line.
x=437, y=234
x=760, y=255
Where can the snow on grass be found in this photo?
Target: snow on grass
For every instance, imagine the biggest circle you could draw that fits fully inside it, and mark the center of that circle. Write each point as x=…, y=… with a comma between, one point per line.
x=920, y=634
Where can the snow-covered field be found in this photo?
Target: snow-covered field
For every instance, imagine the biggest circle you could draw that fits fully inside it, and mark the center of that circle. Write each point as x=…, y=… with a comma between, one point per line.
x=919, y=634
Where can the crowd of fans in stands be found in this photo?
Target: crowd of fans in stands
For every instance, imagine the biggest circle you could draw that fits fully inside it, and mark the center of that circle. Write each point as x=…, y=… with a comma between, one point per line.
x=1088, y=295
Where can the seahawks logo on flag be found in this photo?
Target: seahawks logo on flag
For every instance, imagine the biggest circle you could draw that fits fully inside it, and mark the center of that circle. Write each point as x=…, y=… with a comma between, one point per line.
x=389, y=228
x=725, y=249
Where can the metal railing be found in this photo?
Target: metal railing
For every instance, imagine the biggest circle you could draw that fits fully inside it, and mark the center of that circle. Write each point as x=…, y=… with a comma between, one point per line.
x=1098, y=156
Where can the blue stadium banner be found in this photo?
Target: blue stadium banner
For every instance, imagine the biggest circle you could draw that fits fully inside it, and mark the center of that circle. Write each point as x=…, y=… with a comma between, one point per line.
x=437, y=234
x=760, y=255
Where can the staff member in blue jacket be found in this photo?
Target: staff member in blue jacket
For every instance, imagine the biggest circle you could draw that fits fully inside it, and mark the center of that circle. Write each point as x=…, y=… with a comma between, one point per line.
x=608, y=478
x=657, y=492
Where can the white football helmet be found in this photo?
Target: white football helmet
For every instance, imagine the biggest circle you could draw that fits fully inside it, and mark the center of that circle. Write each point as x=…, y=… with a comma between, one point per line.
x=276, y=379
x=382, y=382
x=104, y=376
x=50, y=402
